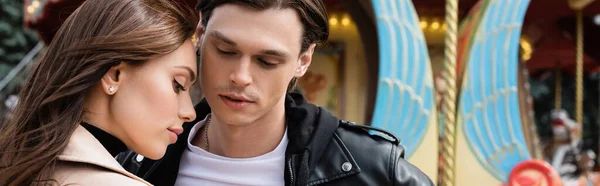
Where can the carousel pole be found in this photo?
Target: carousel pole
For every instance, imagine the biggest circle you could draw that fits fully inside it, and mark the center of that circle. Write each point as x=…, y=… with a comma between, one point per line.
x=579, y=75
x=578, y=6
x=557, y=87
x=448, y=174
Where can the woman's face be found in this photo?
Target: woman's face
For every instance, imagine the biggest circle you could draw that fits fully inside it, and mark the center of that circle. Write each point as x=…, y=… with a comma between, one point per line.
x=152, y=101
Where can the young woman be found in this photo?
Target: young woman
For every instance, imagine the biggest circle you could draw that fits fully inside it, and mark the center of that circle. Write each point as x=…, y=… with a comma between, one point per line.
x=116, y=76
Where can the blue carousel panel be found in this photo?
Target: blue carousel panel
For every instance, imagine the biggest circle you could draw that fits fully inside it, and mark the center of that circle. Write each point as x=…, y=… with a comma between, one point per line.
x=405, y=83
x=489, y=102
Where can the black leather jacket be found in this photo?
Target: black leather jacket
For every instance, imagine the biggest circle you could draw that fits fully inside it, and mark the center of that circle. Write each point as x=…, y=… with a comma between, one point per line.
x=322, y=150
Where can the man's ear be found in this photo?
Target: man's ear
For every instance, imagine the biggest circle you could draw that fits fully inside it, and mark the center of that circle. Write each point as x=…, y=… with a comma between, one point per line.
x=198, y=35
x=305, y=60
x=111, y=81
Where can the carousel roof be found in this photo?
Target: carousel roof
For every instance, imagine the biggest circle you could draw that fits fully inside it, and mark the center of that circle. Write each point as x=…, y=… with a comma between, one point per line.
x=550, y=27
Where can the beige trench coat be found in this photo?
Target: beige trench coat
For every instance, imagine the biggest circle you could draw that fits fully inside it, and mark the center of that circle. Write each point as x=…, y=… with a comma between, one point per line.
x=86, y=162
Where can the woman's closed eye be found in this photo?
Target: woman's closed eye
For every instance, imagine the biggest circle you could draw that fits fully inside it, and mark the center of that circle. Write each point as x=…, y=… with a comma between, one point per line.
x=177, y=87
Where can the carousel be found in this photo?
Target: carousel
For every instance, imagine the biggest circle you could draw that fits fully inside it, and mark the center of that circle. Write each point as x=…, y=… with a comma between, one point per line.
x=503, y=46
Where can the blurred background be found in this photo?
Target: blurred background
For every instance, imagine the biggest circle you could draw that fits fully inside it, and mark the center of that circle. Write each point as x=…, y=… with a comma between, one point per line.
x=384, y=66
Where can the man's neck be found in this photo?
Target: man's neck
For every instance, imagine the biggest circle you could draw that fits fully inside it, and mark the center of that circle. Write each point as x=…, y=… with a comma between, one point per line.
x=234, y=141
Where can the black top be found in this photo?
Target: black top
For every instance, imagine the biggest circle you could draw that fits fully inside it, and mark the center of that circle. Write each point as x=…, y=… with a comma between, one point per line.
x=110, y=142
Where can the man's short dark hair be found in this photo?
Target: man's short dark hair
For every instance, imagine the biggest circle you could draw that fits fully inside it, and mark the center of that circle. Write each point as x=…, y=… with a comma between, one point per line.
x=312, y=15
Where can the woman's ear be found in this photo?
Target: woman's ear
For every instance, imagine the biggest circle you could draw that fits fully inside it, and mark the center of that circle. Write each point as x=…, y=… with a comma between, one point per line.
x=112, y=79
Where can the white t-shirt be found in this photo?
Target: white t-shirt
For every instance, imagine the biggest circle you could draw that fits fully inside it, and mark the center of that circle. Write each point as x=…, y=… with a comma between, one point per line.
x=199, y=167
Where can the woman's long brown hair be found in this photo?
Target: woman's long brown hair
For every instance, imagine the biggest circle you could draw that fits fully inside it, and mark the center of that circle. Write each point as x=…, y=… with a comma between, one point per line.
x=97, y=36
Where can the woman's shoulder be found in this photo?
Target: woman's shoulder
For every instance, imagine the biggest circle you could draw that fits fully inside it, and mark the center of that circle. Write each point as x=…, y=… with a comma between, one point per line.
x=85, y=162
x=76, y=173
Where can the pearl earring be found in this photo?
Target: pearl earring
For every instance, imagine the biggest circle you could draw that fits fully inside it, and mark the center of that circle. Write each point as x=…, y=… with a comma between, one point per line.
x=111, y=89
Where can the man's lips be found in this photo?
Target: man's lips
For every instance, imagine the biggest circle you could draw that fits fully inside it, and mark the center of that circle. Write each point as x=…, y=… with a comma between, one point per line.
x=237, y=103
x=237, y=98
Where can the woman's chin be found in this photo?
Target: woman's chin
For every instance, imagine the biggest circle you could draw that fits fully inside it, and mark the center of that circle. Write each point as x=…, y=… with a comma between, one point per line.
x=154, y=154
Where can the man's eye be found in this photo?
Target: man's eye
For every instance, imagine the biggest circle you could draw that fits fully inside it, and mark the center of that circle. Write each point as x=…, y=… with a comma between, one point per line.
x=228, y=53
x=266, y=63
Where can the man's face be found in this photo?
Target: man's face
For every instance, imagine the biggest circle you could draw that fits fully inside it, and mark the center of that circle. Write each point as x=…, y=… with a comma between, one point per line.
x=248, y=59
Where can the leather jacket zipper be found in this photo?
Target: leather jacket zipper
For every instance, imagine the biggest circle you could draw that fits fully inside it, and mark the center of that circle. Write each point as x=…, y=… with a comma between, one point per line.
x=291, y=170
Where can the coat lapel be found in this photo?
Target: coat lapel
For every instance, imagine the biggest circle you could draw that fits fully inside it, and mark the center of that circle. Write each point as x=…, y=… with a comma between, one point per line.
x=83, y=147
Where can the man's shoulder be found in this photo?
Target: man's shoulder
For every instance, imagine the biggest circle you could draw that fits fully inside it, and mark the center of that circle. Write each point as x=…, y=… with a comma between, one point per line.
x=378, y=151
x=361, y=139
x=364, y=132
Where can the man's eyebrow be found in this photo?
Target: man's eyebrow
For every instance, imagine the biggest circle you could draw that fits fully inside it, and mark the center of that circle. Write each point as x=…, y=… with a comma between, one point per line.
x=222, y=37
x=274, y=53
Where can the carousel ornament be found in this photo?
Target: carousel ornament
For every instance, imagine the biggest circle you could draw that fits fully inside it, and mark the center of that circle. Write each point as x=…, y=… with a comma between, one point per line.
x=567, y=159
x=533, y=172
x=563, y=127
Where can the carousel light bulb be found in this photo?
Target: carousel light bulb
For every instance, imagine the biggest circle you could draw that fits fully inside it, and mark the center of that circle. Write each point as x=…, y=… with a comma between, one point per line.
x=36, y=4
x=345, y=21
x=30, y=9
x=526, y=49
x=333, y=21
x=435, y=25
x=423, y=24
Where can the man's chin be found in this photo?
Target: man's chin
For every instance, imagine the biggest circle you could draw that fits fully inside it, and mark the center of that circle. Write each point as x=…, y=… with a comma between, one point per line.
x=236, y=118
